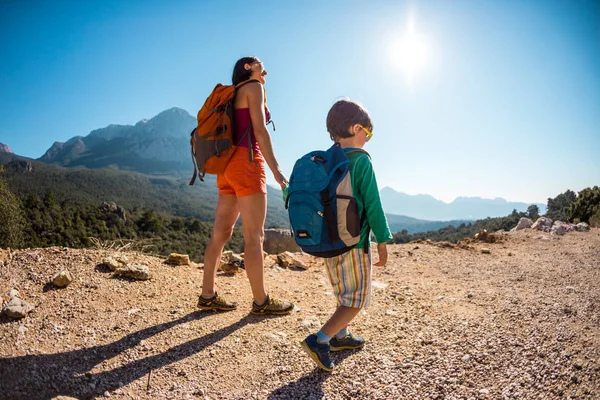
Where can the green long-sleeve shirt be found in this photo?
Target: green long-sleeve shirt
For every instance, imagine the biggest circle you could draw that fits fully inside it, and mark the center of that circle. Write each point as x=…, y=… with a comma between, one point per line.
x=366, y=193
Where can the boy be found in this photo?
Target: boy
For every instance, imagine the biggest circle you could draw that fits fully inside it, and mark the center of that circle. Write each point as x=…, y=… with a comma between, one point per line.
x=350, y=273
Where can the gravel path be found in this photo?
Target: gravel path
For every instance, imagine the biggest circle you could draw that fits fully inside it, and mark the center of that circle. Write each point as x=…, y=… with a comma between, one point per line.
x=520, y=323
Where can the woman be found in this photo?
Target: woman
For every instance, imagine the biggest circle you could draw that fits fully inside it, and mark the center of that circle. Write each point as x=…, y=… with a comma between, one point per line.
x=243, y=191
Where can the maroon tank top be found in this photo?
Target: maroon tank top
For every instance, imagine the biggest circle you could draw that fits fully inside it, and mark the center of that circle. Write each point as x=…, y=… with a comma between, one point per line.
x=242, y=122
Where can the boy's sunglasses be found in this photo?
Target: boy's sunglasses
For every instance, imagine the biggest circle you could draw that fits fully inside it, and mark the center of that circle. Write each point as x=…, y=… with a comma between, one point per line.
x=368, y=132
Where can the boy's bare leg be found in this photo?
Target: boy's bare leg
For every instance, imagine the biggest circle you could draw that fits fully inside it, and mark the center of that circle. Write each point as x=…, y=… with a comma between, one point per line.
x=339, y=320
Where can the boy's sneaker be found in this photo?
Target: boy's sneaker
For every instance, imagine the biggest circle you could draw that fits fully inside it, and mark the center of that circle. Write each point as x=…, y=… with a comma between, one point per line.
x=272, y=306
x=347, y=342
x=216, y=303
x=319, y=352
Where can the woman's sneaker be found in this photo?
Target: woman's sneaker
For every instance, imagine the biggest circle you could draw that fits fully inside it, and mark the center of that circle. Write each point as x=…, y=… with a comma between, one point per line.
x=346, y=343
x=216, y=303
x=272, y=306
x=319, y=352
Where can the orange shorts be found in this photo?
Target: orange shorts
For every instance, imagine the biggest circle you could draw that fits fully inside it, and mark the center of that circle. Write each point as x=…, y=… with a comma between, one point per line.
x=242, y=177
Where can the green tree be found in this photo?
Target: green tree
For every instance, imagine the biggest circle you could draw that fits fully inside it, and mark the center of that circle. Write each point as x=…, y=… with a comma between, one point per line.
x=533, y=212
x=559, y=206
x=13, y=222
x=586, y=206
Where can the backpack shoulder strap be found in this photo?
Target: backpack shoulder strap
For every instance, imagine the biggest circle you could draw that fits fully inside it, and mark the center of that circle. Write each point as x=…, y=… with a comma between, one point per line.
x=348, y=151
x=239, y=85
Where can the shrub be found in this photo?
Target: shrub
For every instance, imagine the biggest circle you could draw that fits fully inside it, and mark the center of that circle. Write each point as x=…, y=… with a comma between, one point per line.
x=11, y=228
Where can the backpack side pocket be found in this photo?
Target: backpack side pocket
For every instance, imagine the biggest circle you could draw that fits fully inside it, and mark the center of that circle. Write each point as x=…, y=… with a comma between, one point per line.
x=348, y=219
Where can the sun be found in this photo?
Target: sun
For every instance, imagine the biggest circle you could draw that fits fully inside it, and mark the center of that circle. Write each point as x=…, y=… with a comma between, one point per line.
x=410, y=52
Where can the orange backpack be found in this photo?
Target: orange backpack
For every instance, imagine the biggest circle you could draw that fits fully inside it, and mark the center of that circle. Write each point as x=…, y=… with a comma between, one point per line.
x=212, y=140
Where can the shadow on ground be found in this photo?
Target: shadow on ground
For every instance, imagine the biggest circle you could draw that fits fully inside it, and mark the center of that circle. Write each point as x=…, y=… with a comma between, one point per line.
x=310, y=386
x=45, y=376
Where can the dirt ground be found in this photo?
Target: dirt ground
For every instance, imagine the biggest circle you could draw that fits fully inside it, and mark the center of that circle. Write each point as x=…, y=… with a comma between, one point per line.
x=522, y=322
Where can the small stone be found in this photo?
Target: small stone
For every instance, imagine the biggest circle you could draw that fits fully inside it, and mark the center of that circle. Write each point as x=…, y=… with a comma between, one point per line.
x=232, y=268
x=178, y=259
x=484, y=391
x=139, y=272
x=111, y=263
x=17, y=308
x=288, y=259
x=13, y=293
x=379, y=285
x=122, y=259
x=466, y=358
x=62, y=278
x=485, y=250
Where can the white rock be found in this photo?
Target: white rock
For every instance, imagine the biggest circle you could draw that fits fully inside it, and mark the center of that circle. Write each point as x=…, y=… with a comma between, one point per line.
x=524, y=223
x=17, y=308
x=541, y=223
x=139, y=272
x=379, y=285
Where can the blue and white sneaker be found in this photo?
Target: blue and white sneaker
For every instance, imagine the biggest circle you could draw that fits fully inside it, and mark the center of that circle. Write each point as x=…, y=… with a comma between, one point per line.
x=319, y=352
x=348, y=342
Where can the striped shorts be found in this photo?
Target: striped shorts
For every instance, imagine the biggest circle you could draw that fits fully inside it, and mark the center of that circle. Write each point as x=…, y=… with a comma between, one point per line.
x=350, y=276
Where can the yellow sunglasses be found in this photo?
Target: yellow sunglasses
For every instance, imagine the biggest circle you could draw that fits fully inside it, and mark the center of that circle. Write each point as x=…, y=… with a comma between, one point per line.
x=368, y=132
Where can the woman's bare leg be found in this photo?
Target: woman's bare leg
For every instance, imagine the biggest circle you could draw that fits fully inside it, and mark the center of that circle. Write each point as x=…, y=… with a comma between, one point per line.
x=225, y=217
x=253, y=209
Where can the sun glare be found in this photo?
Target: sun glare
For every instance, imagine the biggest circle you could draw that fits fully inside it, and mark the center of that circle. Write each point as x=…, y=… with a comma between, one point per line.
x=410, y=53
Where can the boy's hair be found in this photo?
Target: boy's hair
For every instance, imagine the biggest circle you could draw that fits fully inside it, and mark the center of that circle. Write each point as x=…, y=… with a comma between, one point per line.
x=344, y=114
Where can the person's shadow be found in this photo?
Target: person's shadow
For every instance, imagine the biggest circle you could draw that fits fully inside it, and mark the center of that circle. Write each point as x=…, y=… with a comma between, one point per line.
x=45, y=376
x=310, y=386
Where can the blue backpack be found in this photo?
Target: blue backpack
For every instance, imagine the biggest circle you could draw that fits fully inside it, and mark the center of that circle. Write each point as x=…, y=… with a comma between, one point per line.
x=323, y=212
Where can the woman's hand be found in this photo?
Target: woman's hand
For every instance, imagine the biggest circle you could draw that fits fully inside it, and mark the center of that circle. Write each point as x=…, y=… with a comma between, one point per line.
x=383, y=254
x=280, y=178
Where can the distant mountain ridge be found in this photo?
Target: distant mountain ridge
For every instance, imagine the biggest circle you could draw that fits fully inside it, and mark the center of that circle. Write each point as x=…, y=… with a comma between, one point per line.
x=160, y=146
x=462, y=208
x=156, y=146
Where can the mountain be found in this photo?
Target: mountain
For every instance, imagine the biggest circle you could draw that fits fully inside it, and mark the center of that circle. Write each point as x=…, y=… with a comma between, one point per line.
x=170, y=195
x=462, y=208
x=413, y=225
x=5, y=149
x=160, y=146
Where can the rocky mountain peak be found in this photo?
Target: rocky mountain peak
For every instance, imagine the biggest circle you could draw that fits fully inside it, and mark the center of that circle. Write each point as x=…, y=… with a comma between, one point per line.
x=4, y=148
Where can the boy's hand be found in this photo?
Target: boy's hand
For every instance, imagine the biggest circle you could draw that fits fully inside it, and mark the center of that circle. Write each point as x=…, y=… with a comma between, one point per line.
x=382, y=252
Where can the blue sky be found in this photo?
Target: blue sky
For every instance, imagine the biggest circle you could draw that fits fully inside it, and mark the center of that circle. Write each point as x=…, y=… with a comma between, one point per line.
x=468, y=98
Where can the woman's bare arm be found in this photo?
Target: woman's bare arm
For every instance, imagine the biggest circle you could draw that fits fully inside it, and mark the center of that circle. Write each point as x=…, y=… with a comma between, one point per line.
x=256, y=99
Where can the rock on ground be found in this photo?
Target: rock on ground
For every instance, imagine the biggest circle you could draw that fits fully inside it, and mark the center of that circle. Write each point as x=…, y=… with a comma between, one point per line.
x=139, y=272
x=62, y=278
x=17, y=308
